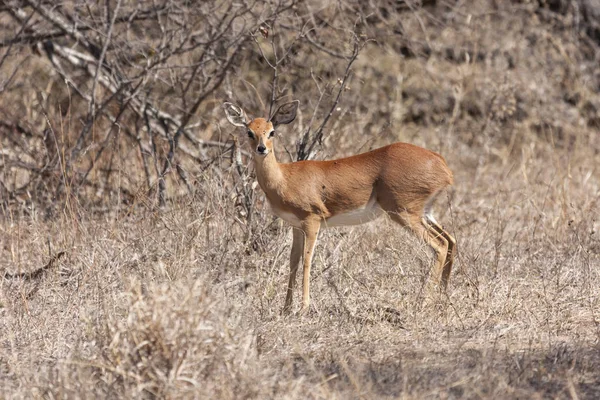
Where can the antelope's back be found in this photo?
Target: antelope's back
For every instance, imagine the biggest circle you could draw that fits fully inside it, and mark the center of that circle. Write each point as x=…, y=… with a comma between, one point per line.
x=413, y=168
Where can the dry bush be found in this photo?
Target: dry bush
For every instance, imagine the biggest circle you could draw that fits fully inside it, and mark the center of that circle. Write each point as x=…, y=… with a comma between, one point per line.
x=184, y=300
x=173, y=340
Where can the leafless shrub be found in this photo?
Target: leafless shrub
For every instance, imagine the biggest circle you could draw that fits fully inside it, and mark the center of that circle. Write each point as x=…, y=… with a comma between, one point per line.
x=110, y=110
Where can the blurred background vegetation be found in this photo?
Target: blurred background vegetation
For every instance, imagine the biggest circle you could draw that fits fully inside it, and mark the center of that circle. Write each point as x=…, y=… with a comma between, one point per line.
x=117, y=103
x=138, y=256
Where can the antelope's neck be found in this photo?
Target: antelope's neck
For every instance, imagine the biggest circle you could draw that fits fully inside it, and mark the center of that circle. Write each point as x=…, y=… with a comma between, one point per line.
x=269, y=174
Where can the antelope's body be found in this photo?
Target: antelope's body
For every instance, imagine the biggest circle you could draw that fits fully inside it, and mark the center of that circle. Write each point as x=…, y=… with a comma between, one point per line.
x=400, y=180
x=353, y=190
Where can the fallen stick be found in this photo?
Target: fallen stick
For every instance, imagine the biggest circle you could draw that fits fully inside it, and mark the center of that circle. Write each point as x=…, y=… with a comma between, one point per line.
x=35, y=273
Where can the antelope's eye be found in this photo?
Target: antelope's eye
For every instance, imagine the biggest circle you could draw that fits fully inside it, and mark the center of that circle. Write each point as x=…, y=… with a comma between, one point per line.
x=250, y=134
x=271, y=134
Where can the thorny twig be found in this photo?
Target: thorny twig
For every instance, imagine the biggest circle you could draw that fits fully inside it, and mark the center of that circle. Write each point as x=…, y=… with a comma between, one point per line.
x=305, y=149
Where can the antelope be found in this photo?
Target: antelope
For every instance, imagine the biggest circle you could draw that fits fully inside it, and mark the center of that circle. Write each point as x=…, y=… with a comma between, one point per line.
x=400, y=180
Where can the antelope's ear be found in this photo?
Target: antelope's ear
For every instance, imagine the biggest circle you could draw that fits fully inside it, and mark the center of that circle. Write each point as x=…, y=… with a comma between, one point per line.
x=235, y=115
x=286, y=113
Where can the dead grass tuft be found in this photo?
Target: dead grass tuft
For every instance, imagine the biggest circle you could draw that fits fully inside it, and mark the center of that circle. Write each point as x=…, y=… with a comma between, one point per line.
x=184, y=301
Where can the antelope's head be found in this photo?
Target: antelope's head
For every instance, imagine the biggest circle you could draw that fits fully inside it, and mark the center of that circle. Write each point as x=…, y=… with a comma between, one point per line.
x=260, y=130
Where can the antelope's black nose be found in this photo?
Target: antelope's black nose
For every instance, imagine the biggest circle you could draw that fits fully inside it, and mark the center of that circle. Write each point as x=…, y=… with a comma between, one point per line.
x=261, y=148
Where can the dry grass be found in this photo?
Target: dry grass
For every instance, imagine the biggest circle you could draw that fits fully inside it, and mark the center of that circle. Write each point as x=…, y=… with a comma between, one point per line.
x=176, y=305
x=183, y=303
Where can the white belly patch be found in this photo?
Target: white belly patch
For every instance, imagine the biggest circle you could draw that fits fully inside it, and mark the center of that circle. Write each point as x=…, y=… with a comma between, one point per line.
x=288, y=217
x=362, y=215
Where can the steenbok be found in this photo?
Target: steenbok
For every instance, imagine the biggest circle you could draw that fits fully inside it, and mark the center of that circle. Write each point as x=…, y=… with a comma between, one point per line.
x=400, y=180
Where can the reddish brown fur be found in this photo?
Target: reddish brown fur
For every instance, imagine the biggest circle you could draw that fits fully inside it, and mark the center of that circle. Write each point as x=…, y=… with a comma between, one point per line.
x=401, y=178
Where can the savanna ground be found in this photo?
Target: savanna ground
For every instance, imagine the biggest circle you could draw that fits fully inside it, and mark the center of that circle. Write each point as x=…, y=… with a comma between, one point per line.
x=140, y=260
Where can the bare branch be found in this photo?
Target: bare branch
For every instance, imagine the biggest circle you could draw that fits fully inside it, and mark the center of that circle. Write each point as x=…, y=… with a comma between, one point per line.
x=91, y=110
x=303, y=152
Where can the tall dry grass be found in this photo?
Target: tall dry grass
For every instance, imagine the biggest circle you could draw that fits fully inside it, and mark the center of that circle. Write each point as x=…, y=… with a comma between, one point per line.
x=185, y=302
x=177, y=304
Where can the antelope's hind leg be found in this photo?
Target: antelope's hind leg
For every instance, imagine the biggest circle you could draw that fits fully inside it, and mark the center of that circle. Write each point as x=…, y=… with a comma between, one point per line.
x=451, y=248
x=422, y=230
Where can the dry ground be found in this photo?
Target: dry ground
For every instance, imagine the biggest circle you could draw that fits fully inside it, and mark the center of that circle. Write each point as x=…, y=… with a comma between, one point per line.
x=184, y=303
x=175, y=304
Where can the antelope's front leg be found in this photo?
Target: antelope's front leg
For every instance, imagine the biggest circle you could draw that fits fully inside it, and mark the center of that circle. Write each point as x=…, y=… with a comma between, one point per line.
x=311, y=231
x=295, y=257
